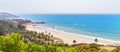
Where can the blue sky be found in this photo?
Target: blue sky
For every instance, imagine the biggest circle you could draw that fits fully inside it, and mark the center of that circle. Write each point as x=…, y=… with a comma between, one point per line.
x=61, y=6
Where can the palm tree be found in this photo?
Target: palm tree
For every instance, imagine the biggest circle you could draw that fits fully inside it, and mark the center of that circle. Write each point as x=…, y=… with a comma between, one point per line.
x=52, y=41
x=42, y=35
x=51, y=36
x=49, y=33
x=74, y=41
x=46, y=32
x=96, y=40
x=1, y=30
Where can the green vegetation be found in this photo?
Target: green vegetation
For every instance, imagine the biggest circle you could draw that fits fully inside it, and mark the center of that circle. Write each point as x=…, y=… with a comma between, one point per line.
x=12, y=43
x=8, y=26
x=14, y=38
x=18, y=26
x=117, y=49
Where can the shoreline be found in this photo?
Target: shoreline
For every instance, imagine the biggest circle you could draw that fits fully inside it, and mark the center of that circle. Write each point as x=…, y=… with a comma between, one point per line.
x=68, y=37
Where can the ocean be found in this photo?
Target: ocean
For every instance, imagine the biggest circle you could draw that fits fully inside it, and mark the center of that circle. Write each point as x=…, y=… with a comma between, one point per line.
x=98, y=25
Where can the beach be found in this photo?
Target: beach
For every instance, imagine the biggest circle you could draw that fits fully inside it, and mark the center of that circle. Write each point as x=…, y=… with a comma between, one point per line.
x=68, y=37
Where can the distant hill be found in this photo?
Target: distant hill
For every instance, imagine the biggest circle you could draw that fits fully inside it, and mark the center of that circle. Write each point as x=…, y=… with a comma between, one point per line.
x=5, y=15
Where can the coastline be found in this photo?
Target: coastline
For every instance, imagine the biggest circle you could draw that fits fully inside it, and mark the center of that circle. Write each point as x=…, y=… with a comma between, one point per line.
x=68, y=37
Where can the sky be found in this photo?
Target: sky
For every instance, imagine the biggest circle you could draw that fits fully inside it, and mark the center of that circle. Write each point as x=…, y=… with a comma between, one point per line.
x=61, y=6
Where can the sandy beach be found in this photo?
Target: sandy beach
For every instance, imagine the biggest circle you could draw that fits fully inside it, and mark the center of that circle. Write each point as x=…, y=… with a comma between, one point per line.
x=68, y=37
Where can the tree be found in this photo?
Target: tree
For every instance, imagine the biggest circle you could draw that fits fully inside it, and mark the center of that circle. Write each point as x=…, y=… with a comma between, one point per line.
x=74, y=41
x=104, y=50
x=12, y=43
x=46, y=32
x=83, y=50
x=73, y=50
x=1, y=30
x=96, y=40
x=32, y=48
x=93, y=50
x=59, y=49
x=94, y=45
x=117, y=49
x=51, y=36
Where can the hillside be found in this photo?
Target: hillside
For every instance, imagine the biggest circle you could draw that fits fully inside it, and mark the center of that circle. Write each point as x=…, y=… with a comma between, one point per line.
x=5, y=15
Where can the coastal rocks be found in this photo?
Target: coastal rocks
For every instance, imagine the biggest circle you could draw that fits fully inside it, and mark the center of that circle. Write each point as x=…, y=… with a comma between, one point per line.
x=41, y=22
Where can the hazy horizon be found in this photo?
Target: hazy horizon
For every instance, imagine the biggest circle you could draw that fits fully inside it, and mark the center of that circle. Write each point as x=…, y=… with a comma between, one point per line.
x=61, y=6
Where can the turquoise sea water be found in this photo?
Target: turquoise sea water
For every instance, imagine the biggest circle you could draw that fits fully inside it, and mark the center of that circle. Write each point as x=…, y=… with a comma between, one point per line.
x=100, y=25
